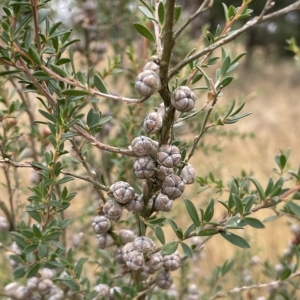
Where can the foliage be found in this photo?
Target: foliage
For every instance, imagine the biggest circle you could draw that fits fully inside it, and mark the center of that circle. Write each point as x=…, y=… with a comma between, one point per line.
x=79, y=113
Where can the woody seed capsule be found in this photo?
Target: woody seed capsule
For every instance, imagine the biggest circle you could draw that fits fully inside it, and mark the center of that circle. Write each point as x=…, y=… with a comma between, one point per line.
x=136, y=204
x=183, y=99
x=163, y=172
x=143, y=167
x=147, y=83
x=126, y=236
x=164, y=280
x=188, y=174
x=153, y=122
x=152, y=66
x=143, y=244
x=105, y=240
x=154, y=262
x=122, y=192
x=163, y=203
x=172, y=262
x=168, y=156
x=173, y=186
x=142, y=146
x=134, y=260
x=112, y=210
x=102, y=290
x=101, y=224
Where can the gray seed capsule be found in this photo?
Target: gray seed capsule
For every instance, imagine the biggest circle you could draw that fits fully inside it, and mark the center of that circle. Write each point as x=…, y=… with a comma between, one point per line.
x=163, y=203
x=163, y=172
x=112, y=210
x=142, y=146
x=168, y=156
x=122, y=192
x=134, y=260
x=143, y=167
x=102, y=290
x=173, y=186
x=143, y=244
x=127, y=249
x=152, y=66
x=144, y=272
x=164, y=280
x=154, y=262
x=153, y=122
x=172, y=262
x=101, y=224
x=104, y=240
x=136, y=204
x=147, y=83
x=126, y=236
x=183, y=99
x=188, y=174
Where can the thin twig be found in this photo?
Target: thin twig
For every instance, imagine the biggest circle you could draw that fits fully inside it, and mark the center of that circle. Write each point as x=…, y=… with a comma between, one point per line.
x=34, y=4
x=157, y=30
x=255, y=286
x=29, y=165
x=203, y=7
x=232, y=36
x=266, y=7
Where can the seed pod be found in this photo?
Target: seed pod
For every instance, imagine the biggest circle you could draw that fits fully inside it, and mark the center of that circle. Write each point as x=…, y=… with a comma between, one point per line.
x=44, y=286
x=172, y=292
x=127, y=249
x=168, y=156
x=143, y=244
x=119, y=256
x=154, y=262
x=143, y=167
x=134, y=260
x=183, y=99
x=173, y=186
x=102, y=290
x=4, y=224
x=163, y=172
x=112, y=292
x=122, y=191
x=56, y=294
x=112, y=210
x=163, y=203
x=101, y=224
x=47, y=273
x=164, y=280
x=144, y=272
x=22, y=293
x=105, y=240
x=153, y=122
x=188, y=174
x=172, y=262
x=147, y=83
x=136, y=204
x=126, y=236
x=142, y=146
x=32, y=283
x=152, y=66
x=193, y=289
x=11, y=288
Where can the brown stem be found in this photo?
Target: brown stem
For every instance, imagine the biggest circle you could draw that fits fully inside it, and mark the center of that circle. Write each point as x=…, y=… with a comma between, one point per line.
x=34, y=4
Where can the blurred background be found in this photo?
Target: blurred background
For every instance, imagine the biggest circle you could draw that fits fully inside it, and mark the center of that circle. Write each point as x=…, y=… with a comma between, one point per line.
x=268, y=80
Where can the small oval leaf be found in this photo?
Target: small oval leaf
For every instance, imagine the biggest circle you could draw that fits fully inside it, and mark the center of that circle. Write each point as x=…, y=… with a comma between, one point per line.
x=144, y=31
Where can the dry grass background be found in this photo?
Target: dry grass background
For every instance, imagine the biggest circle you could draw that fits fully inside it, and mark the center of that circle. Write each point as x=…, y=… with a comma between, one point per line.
x=271, y=90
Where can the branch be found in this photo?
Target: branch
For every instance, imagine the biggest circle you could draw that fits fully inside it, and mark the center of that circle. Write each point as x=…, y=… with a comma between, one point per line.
x=34, y=4
x=204, y=6
x=29, y=165
x=100, y=145
x=255, y=286
x=157, y=30
x=232, y=36
x=266, y=7
x=72, y=81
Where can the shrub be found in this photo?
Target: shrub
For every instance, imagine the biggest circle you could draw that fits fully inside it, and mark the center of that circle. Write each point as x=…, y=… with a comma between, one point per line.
x=131, y=163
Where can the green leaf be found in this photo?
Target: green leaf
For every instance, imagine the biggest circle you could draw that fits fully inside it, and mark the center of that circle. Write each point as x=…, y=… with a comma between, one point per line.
x=286, y=273
x=225, y=66
x=192, y=212
x=294, y=208
x=65, y=179
x=187, y=250
x=145, y=10
x=209, y=212
x=169, y=248
x=161, y=13
x=144, y=31
x=160, y=234
x=20, y=271
x=177, y=13
x=34, y=56
x=52, y=236
x=33, y=270
x=235, y=239
x=238, y=204
x=100, y=84
x=73, y=92
x=225, y=81
x=9, y=72
x=227, y=266
x=259, y=188
x=47, y=115
x=254, y=222
x=173, y=224
x=238, y=57
x=61, y=72
x=30, y=248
